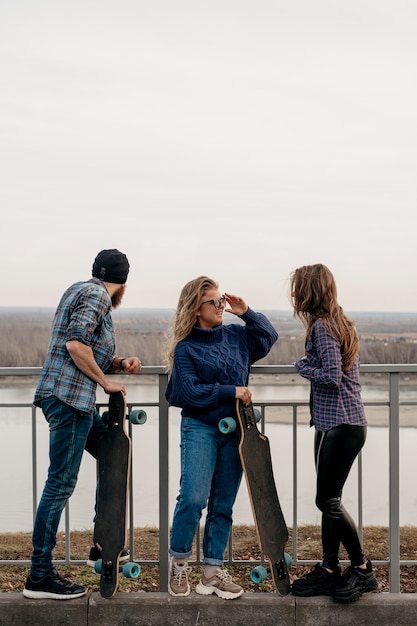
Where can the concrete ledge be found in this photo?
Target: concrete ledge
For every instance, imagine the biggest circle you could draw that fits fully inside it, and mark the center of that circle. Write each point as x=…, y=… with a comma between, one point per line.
x=253, y=609
x=17, y=610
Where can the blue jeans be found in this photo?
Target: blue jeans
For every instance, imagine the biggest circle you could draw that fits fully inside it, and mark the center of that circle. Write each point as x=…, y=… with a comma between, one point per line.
x=211, y=472
x=70, y=432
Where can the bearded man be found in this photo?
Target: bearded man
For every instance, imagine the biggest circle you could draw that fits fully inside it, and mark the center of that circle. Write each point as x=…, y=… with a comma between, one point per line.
x=80, y=354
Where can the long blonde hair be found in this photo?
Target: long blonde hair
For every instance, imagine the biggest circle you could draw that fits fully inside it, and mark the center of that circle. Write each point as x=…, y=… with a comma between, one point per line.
x=314, y=296
x=189, y=303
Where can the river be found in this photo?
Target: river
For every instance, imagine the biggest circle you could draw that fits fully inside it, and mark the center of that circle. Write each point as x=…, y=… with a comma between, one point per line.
x=16, y=460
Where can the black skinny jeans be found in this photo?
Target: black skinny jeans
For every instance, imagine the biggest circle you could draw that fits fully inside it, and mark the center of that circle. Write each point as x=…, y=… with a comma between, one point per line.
x=334, y=453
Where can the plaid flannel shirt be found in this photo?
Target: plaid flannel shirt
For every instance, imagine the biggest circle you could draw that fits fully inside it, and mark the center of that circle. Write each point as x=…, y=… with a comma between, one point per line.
x=84, y=315
x=335, y=394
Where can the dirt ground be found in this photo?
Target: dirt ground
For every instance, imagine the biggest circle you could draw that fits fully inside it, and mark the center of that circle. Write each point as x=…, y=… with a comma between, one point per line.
x=14, y=546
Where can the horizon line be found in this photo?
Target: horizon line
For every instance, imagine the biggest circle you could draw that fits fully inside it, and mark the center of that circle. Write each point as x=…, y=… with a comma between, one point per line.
x=159, y=308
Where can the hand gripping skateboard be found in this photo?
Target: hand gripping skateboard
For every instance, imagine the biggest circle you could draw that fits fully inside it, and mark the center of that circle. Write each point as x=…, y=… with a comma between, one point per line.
x=270, y=524
x=114, y=460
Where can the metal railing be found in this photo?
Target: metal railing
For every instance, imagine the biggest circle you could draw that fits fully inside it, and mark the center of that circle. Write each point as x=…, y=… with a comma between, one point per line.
x=393, y=404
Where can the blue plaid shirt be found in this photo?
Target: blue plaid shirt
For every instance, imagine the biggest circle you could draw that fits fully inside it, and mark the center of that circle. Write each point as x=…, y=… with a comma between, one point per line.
x=335, y=394
x=84, y=315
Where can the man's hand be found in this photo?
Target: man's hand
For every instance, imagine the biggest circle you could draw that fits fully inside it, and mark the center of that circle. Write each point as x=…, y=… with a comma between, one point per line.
x=131, y=365
x=110, y=387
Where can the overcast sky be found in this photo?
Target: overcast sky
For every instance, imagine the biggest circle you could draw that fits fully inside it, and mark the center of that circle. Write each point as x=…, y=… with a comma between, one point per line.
x=230, y=138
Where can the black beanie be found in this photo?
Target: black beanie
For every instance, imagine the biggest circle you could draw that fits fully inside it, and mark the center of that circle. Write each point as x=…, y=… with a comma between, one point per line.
x=111, y=266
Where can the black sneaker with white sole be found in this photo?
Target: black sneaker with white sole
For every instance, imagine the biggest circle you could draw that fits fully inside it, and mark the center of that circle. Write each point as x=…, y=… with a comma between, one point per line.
x=52, y=586
x=95, y=555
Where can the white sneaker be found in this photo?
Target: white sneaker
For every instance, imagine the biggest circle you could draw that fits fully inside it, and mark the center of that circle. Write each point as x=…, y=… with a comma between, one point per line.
x=220, y=583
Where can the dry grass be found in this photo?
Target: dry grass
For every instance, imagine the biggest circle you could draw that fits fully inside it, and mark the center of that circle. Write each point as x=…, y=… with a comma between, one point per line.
x=15, y=546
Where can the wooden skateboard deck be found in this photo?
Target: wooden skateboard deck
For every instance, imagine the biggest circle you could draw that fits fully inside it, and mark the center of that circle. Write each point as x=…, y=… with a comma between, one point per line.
x=269, y=520
x=110, y=531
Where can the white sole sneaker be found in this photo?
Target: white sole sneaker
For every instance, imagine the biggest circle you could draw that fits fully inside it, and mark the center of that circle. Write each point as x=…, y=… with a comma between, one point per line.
x=205, y=590
x=41, y=595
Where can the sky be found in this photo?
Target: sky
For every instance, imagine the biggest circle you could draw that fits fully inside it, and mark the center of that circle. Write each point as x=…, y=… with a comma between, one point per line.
x=237, y=139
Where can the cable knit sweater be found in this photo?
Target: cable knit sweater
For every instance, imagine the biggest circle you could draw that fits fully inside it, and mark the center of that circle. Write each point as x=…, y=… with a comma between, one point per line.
x=210, y=364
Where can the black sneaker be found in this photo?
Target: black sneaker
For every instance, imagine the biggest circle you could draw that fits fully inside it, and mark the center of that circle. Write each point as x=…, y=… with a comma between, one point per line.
x=318, y=582
x=52, y=586
x=95, y=555
x=354, y=582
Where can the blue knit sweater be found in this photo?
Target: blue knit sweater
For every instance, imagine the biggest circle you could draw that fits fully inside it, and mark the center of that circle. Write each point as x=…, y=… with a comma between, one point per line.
x=210, y=364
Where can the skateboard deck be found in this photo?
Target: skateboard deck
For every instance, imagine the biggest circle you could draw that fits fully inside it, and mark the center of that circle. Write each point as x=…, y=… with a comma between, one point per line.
x=269, y=520
x=110, y=531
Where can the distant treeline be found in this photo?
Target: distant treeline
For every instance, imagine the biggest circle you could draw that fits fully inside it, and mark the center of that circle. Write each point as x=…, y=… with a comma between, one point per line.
x=24, y=336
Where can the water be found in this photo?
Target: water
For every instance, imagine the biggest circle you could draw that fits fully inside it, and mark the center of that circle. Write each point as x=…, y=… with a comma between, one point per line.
x=16, y=482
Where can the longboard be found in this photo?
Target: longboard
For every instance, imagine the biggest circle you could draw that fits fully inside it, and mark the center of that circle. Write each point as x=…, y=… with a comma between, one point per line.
x=271, y=528
x=114, y=461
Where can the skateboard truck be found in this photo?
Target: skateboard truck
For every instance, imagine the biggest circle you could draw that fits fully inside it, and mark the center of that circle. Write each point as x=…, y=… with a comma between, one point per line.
x=260, y=573
x=228, y=424
x=281, y=568
x=107, y=572
x=135, y=416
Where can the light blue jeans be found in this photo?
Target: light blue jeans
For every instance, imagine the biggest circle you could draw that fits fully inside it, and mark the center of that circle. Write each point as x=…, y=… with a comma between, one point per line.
x=70, y=432
x=211, y=472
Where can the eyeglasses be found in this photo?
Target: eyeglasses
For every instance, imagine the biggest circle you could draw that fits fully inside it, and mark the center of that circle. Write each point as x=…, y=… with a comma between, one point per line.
x=217, y=302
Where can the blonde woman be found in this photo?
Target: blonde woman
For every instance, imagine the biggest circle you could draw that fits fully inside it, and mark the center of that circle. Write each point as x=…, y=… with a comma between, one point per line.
x=209, y=365
x=331, y=363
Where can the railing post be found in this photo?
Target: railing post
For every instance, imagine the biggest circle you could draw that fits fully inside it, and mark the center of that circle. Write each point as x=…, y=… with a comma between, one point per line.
x=295, y=483
x=34, y=466
x=163, y=484
x=394, y=482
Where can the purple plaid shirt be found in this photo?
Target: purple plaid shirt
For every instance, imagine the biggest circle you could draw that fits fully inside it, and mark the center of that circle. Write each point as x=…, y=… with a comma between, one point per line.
x=84, y=315
x=336, y=394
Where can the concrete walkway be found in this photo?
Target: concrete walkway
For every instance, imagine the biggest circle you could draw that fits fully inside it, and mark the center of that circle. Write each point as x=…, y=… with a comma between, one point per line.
x=252, y=609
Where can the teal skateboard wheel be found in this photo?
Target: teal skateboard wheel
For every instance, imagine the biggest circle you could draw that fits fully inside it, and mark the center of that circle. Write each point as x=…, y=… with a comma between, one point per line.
x=138, y=416
x=227, y=425
x=258, y=574
x=131, y=570
x=98, y=565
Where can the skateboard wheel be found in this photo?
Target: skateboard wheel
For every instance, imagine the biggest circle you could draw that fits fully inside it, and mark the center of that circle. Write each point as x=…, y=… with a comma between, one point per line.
x=257, y=414
x=138, y=416
x=288, y=559
x=227, y=425
x=105, y=417
x=98, y=566
x=131, y=570
x=258, y=574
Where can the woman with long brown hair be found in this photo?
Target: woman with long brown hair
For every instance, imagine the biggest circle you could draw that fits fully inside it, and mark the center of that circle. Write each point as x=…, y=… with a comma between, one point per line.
x=331, y=363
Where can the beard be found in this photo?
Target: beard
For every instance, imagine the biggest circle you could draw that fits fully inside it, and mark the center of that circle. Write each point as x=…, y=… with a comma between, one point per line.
x=117, y=297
